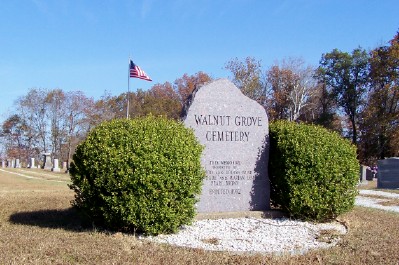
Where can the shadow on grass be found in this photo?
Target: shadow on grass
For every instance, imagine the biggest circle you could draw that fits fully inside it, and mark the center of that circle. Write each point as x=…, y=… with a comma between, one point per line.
x=67, y=219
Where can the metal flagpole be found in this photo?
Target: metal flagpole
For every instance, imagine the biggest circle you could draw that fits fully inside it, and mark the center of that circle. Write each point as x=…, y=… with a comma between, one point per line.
x=128, y=91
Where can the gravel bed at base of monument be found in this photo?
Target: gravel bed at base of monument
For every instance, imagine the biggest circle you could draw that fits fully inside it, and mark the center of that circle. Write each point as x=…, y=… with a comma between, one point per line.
x=258, y=235
x=255, y=235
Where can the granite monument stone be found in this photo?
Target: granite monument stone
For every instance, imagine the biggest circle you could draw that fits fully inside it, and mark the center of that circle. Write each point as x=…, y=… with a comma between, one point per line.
x=363, y=172
x=388, y=173
x=55, y=166
x=47, y=161
x=234, y=130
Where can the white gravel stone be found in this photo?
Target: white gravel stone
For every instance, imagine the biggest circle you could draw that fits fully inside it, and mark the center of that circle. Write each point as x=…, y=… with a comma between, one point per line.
x=277, y=236
x=376, y=202
x=252, y=235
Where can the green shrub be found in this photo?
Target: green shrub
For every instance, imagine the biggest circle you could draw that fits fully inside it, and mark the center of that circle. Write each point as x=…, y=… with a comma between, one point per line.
x=313, y=172
x=139, y=175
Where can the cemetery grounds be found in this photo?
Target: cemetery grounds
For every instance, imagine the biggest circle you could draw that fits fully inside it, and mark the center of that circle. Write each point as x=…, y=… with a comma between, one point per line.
x=38, y=226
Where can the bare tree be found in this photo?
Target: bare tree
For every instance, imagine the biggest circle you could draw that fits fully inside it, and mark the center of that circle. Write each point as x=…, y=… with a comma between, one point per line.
x=292, y=85
x=56, y=108
x=76, y=122
x=55, y=120
x=33, y=109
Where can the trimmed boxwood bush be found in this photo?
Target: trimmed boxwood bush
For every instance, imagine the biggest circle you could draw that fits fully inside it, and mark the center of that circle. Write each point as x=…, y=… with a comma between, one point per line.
x=140, y=175
x=313, y=172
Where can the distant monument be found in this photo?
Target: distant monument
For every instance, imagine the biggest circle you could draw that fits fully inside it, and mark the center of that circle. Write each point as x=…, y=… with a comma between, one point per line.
x=363, y=173
x=47, y=161
x=32, y=163
x=55, y=167
x=388, y=173
x=235, y=131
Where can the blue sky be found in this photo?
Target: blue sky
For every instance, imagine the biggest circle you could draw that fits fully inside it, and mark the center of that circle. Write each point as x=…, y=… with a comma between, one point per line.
x=78, y=45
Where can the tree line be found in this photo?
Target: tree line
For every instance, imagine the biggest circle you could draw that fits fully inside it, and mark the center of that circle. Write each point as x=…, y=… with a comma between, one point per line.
x=54, y=121
x=354, y=93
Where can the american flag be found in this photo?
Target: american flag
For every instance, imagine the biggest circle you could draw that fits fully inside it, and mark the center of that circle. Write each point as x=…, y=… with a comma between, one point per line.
x=136, y=72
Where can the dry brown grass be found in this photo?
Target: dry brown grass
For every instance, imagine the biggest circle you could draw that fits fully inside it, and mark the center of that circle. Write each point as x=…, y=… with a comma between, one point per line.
x=386, y=201
x=372, y=185
x=38, y=226
x=390, y=202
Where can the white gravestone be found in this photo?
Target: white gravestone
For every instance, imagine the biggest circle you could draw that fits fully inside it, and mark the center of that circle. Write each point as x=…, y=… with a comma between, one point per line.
x=55, y=167
x=32, y=163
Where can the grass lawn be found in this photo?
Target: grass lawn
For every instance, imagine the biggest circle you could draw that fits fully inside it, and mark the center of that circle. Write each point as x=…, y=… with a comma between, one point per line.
x=38, y=226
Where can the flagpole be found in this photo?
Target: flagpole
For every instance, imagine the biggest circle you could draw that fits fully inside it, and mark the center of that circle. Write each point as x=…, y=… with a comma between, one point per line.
x=128, y=90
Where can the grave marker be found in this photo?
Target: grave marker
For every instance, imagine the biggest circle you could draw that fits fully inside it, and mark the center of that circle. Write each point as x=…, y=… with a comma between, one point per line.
x=47, y=161
x=234, y=130
x=55, y=166
x=32, y=162
x=388, y=173
x=363, y=173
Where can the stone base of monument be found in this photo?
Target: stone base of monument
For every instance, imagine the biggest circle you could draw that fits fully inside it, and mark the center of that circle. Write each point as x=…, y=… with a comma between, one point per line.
x=270, y=214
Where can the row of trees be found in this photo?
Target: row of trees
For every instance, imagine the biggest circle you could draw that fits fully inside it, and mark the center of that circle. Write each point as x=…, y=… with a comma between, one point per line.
x=56, y=121
x=46, y=121
x=355, y=94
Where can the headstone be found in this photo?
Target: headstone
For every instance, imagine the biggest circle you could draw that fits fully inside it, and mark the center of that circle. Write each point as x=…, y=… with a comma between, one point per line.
x=363, y=173
x=3, y=164
x=32, y=163
x=55, y=167
x=17, y=165
x=369, y=174
x=388, y=173
x=64, y=165
x=234, y=130
x=47, y=161
x=12, y=163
